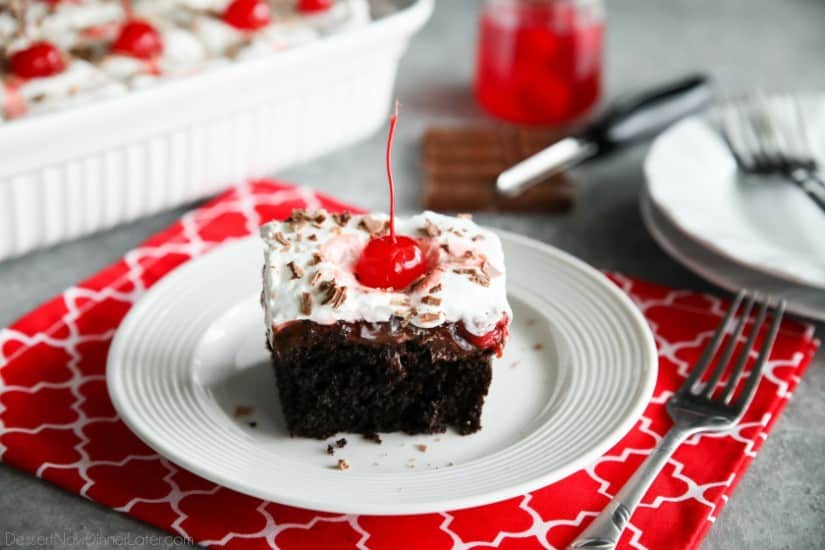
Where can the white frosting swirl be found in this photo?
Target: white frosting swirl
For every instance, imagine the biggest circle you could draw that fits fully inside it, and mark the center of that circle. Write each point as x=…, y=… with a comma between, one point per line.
x=466, y=282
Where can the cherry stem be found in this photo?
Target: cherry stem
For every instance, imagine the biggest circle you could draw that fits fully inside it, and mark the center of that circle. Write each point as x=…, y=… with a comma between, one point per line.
x=393, y=122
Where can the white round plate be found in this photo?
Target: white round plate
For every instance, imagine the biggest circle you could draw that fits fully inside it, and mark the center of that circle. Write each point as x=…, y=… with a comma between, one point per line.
x=802, y=300
x=575, y=377
x=766, y=224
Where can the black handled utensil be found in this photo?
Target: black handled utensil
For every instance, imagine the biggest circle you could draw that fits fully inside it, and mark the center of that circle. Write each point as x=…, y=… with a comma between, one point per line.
x=624, y=122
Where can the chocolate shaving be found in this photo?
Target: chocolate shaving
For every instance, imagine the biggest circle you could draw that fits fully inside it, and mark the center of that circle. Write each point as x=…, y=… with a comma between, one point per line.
x=281, y=238
x=436, y=288
x=417, y=283
x=464, y=270
x=342, y=464
x=445, y=247
x=428, y=317
x=400, y=300
x=469, y=253
x=339, y=297
x=312, y=237
x=342, y=218
x=481, y=279
x=371, y=225
x=306, y=303
x=297, y=272
x=430, y=229
x=421, y=447
x=315, y=278
x=316, y=259
x=431, y=300
x=298, y=215
x=478, y=237
x=488, y=269
x=330, y=450
x=341, y=443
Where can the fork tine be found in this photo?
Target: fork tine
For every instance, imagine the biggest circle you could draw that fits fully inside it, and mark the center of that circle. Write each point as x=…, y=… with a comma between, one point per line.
x=727, y=394
x=756, y=372
x=729, y=349
x=710, y=350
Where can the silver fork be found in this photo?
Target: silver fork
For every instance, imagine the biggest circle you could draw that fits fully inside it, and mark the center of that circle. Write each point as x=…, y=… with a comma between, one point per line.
x=693, y=409
x=771, y=138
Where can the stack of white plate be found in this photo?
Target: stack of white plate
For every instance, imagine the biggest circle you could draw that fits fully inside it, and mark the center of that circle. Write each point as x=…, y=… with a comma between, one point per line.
x=733, y=229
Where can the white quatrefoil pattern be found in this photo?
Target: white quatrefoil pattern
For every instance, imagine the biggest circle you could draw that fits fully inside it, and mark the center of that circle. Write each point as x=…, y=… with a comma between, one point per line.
x=56, y=420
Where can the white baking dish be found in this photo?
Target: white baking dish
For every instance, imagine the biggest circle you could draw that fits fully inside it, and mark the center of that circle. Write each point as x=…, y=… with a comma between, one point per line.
x=73, y=172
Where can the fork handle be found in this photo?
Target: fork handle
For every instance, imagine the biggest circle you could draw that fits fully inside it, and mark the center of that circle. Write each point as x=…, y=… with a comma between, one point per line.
x=605, y=530
x=810, y=182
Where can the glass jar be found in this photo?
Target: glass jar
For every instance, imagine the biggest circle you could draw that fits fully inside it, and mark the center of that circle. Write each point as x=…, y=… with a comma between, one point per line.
x=540, y=61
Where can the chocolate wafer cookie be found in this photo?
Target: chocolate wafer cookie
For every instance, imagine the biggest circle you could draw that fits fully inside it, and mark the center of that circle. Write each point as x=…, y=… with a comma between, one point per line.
x=461, y=165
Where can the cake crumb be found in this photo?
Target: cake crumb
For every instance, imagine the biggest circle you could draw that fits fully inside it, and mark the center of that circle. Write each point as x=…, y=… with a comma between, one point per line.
x=297, y=272
x=330, y=450
x=421, y=447
x=243, y=410
x=341, y=443
x=306, y=303
x=538, y=347
x=374, y=437
x=342, y=464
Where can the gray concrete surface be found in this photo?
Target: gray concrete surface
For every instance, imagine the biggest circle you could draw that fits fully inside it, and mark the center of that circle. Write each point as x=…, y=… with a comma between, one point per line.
x=743, y=43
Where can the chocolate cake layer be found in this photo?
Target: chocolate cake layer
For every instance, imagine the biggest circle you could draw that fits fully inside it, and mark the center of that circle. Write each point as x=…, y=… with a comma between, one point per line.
x=378, y=377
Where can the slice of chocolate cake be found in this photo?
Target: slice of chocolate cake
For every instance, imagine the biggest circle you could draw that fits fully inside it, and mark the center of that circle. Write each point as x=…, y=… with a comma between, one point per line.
x=413, y=357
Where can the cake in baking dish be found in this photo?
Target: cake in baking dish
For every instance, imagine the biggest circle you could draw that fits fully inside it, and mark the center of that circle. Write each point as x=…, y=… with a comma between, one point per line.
x=58, y=53
x=354, y=351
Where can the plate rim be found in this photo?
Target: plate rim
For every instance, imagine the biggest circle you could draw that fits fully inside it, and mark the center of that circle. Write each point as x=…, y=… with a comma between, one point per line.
x=727, y=282
x=646, y=386
x=690, y=232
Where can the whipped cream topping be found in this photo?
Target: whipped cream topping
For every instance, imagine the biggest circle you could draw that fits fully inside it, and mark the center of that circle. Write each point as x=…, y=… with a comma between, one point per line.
x=308, y=272
x=195, y=39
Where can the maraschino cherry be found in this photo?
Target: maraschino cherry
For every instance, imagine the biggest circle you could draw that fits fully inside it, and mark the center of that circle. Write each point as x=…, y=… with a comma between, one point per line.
x=392, y=261
x=38, y=60
x=247, y=15
x=313, y=6
x=138, y=38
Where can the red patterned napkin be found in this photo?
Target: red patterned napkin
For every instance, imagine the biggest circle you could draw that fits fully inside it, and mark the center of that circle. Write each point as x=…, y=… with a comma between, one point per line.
x=57, y=422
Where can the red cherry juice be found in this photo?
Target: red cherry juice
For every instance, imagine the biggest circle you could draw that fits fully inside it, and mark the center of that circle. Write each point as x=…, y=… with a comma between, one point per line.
x=539, y=62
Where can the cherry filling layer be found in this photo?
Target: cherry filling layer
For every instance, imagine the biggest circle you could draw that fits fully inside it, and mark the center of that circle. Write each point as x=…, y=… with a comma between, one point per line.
x=494, y=340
